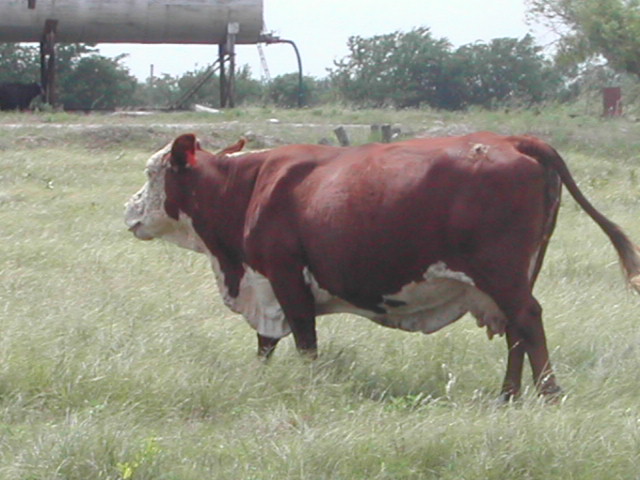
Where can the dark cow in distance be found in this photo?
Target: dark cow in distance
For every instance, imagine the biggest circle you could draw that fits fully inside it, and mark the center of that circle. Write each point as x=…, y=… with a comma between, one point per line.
x=411, y=235
x=18, y=95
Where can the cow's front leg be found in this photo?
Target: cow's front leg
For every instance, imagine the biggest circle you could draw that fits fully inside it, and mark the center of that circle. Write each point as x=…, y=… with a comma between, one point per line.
x=266, y=346
x=302, y=321
x=298, y=305
x=304, y=334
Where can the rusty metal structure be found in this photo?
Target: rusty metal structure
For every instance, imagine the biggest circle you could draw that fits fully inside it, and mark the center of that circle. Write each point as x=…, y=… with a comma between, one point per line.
x=225, y=23
x=612, y=101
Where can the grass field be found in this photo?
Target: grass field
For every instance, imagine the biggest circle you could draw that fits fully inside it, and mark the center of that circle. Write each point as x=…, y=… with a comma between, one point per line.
x=119, y=361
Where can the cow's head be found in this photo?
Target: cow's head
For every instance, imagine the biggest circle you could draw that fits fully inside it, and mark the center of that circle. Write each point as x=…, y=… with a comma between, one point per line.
x=162, y=207
x=148, y=213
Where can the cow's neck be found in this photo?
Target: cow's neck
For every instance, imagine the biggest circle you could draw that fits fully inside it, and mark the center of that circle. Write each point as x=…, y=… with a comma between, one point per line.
x=217, y=207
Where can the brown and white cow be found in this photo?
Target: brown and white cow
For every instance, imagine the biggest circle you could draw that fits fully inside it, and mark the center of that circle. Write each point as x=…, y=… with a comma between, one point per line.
x=411, y=235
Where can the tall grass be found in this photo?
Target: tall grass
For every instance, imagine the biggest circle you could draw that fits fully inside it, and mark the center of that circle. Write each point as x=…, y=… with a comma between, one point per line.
x=118, y=360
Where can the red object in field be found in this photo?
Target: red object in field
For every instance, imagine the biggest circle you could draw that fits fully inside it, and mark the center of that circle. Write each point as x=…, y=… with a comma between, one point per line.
x=612, y=101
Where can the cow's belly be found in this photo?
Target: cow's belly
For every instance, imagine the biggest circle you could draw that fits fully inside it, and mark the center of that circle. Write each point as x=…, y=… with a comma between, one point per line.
x=441, y=298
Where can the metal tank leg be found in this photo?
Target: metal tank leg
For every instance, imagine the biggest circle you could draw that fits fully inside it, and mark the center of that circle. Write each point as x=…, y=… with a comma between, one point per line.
x=48, y=61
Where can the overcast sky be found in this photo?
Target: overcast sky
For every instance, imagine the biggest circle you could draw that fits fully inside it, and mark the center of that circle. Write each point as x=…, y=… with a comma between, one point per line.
x=321, y=28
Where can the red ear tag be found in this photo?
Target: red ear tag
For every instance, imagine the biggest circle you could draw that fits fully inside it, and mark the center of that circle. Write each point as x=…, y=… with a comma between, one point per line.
x=191, y=158
x=183, y=151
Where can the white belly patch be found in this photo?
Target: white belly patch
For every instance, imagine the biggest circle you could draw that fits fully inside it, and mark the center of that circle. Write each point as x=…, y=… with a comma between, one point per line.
x=440, y=299
x=256, y=302
x=425, y=306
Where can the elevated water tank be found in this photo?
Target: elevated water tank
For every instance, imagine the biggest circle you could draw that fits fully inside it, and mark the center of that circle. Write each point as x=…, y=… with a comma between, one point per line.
x=132, y=21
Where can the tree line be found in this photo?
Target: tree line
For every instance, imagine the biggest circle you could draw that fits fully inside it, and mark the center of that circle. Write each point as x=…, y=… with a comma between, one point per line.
x=599, y=40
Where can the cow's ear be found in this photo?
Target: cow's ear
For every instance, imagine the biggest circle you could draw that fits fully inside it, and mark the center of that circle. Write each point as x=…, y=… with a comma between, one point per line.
x=183, y=152
x=236, y=147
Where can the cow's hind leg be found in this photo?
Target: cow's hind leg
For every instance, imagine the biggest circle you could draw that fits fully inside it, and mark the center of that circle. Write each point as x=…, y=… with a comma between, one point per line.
x=515, y=363
x=529, y=325
x=525, y=333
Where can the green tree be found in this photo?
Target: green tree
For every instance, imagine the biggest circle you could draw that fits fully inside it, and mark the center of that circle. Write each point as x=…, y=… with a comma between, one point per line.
x=590, y=28
x=284, y=90
x=158, y=92
x=85, y=80
x=248, y=89
x=413, y=69
x=96, y=82
x=503, y=70
x=397, y=69
x=19, y=63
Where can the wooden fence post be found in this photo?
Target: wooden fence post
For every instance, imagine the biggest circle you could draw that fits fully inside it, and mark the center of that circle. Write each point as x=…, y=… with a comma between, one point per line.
x=342, y=136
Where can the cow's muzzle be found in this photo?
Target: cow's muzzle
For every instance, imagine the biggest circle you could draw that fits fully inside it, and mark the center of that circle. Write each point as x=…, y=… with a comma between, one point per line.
x=138, y=231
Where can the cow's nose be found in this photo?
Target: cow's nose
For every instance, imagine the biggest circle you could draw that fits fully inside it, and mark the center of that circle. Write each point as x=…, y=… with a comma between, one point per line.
x=132, y=213
x=139, y=232
x=131, y=219
x=134, y=227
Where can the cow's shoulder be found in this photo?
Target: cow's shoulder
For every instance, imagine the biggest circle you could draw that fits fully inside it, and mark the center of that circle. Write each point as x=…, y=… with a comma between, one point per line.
x=284, y=169
x=292, y=161
x=279, y=193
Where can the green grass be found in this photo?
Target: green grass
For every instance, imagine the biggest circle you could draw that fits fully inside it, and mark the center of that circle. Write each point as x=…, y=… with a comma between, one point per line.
x=118, y=359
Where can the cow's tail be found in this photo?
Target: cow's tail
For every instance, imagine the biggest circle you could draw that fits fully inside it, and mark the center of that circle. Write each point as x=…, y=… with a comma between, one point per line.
x=628, y=251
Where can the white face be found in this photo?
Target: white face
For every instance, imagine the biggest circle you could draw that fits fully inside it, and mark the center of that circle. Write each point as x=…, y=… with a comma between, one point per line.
x=145, y=214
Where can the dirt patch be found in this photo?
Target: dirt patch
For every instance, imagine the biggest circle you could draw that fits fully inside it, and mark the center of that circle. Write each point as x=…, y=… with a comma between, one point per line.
x=442, y=129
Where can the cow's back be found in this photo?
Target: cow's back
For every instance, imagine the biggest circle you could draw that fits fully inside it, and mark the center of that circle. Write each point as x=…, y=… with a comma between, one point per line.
x=384, y=213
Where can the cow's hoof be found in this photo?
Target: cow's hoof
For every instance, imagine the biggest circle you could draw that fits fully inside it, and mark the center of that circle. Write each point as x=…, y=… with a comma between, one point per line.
x=506, y=398
x=552, y=394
